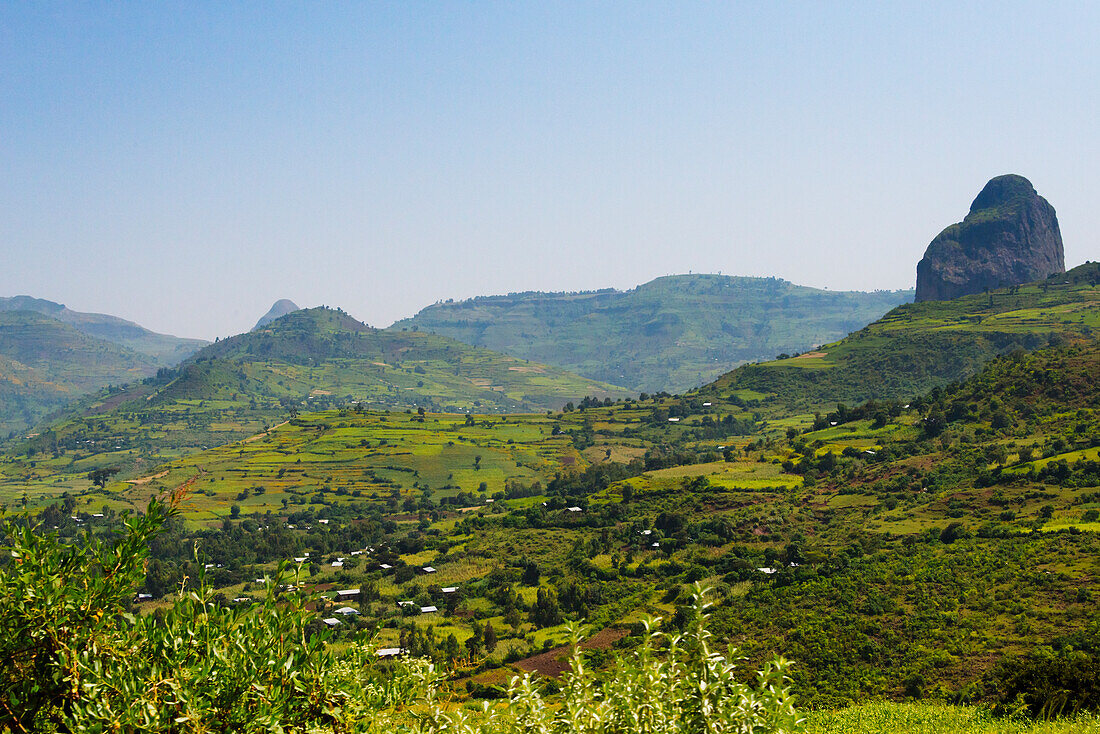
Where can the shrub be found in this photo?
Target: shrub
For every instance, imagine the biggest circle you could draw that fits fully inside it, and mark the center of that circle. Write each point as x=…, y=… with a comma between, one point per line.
x=73, y=658
x=689, y=688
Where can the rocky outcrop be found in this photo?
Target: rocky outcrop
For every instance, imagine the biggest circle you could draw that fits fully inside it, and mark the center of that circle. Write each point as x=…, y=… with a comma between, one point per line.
x=281, y=308
x=1009, y=237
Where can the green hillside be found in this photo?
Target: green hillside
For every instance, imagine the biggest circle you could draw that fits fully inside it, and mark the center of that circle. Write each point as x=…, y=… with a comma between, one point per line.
x=166, y=350
x=948, y=549
x=45, y=363
x=671, y=334
x=919, y=346
x=324, y=355
x=309, y=359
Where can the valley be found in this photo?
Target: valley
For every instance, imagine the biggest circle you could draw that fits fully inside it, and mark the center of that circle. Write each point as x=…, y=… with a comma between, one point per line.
x=927, y=533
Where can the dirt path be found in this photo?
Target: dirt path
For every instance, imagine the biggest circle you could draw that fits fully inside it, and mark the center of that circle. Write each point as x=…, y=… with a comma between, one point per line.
x=258, y=436
x=146, y=480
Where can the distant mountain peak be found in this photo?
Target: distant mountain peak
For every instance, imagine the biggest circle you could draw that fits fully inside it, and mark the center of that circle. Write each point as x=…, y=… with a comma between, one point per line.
x=280, y=308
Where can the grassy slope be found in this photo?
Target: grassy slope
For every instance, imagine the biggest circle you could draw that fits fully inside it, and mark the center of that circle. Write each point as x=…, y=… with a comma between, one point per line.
x=671, y=334
x=44, y=363
x=919, y=346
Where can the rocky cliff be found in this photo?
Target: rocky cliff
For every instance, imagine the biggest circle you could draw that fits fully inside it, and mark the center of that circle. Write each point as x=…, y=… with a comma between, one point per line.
x=1009, y=237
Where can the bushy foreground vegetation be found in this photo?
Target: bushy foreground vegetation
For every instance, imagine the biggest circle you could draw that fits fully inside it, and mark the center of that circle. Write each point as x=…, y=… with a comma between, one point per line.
x=73, y=658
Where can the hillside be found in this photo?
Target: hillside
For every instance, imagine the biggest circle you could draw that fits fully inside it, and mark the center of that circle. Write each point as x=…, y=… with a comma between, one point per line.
x=898, y=551
x=45, y=363
x=166, y=350
x=671, y=334
x=309, y=359
x=919, y=346
x=324, y=354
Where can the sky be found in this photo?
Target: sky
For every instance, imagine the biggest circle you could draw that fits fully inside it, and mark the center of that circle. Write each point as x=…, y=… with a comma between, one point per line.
x=184, y=165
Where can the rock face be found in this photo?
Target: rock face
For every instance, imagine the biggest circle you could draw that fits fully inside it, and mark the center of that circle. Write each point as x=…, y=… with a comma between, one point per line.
x=1009, y=237
x=281, y=308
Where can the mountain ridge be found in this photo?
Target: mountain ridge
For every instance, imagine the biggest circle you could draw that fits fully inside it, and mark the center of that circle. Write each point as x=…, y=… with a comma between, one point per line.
x=670, y=334
x=44, y=363
x=919, y=346
x=165, y=348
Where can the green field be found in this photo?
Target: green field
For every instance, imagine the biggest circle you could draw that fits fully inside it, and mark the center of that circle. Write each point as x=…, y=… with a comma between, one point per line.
x=923, y=718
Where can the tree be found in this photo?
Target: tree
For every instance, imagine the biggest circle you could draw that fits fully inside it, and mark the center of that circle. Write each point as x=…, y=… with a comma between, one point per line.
x=545, y=611
x=473, y=644
x=490, y=637
x=451, y=647
x=100, y=477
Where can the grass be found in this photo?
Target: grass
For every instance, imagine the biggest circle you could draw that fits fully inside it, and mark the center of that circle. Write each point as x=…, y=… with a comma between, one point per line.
x=932, y=718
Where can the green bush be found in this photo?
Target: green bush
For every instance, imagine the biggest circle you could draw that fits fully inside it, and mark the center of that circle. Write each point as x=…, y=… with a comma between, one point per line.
x=73, y=658
x=686, y=688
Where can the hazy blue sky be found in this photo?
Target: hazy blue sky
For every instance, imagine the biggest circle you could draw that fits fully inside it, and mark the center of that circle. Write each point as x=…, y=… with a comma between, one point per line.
x=185, y=164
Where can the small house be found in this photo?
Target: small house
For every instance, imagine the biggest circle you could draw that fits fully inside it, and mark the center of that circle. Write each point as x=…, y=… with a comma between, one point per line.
x=390, y=652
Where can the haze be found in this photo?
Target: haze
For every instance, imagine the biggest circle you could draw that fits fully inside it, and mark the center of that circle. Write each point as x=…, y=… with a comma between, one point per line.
x=184, y=165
